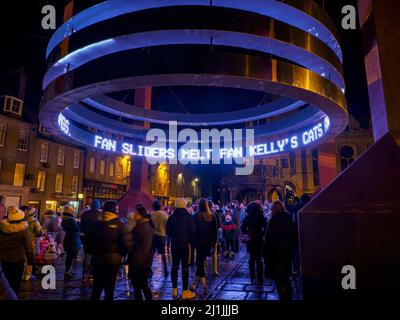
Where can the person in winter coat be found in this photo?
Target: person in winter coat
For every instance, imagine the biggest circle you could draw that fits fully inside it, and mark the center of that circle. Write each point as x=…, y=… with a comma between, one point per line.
x=72, y=242
x=160, y=219
x=15, y=246
x=52, y=228
x=109, y=240
x=205, y=240
x=6, y=292
x=280, y=241
x=254, y=227
x=88, y=219
x=181, y=229
x=141, y=255
x=230, y=234
x=36, y=232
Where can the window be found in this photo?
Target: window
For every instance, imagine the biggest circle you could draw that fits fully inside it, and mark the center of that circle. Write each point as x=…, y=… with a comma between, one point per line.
x=61, y=156
x=13, y=105
x=77, y=159
x=44, y=152
x=102, y=167
x=41, y=180
x=346, y=156
x=19, y=174
x=23, y=139
x=75, y=182
x=59, y=183
x=92, y=165
x=111, y=169
x=3, y=132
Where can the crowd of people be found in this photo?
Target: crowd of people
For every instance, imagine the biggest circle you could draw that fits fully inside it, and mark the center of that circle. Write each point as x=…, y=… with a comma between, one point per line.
x=189, y=234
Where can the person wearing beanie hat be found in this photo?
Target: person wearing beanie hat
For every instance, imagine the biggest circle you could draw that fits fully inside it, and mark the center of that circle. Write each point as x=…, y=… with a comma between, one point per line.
x=36, y=232
x=72, y=242
x=141, y=255
x=109, y=241
x=15, y=246
x=160, y=219
x=181, y=230
x=88, y=219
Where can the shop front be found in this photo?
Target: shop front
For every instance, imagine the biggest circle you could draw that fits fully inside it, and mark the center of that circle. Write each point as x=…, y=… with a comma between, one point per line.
x=102, y=191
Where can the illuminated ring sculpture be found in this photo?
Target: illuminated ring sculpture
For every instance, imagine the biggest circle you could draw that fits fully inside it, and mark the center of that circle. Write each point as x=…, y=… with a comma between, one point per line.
x=309, y=79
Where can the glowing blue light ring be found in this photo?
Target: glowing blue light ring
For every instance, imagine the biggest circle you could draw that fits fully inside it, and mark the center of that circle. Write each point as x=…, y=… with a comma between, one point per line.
x=321, y=122
x=271, y=8
x=263, y=44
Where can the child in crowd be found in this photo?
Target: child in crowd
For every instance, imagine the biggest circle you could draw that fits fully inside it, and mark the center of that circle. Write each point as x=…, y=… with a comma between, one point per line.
x=229, y=231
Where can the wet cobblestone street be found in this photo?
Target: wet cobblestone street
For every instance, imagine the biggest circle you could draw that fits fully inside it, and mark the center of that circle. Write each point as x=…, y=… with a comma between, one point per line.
x=232, y=283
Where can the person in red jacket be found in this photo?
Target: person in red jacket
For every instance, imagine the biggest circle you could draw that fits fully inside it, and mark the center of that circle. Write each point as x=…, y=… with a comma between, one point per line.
x=229, y=232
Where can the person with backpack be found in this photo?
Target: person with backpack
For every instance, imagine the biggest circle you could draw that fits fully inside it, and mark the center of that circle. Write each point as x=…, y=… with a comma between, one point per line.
x=109, y=240
x=181, y=230
x=205, y=240
x=88, y=219
x=253, y=230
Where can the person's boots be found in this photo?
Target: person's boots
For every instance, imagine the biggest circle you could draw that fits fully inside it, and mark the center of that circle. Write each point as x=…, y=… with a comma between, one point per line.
x=165, y=265
x=175, y=293
x=28, y=273
x=187, y=295
x=204, y=286
x=194, y=284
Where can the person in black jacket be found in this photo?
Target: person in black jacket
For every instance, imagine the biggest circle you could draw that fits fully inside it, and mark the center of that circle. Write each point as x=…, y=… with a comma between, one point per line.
x=181, y=229
x=15, y=245
x=109, y=241
x=141, y=256
x=88, y=219
x=254, y=226
x=72, y=241
x=204, y=241
x=280, y=241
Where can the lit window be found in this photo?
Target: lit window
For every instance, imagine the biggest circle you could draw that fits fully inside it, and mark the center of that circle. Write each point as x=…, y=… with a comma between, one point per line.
x=77, y=159
x=92, y=165
x=75, y=182
x=41, y=180
x=59, y=183
x=61, y=156
x=19, y=175
x=23, y=139
x=102, y=167
x=44, y=152
x=111, y=169
x=3, y=132
x=119, y=171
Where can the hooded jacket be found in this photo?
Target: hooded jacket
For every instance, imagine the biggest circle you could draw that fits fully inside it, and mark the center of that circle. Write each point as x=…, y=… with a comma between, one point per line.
x=206, y=231
x=72, y=241
x=181, y=227
x=15, y=242
x=141, y=254
x=108, y=240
